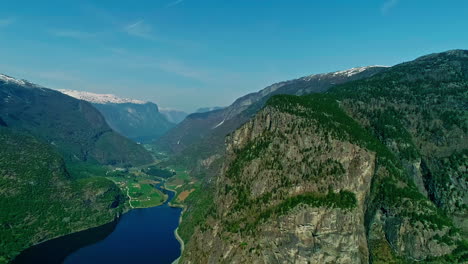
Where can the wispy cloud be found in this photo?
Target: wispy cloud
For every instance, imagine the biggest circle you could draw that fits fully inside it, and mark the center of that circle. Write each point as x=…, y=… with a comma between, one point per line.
x=181, y=69
x=57, y=75
x=117, y=50
x=4, y=22
x=74, y=34
x=172, y=66
x=174, y=3
x=195, y=72
x=139, y=29
x=144, y=30
x=388, y=5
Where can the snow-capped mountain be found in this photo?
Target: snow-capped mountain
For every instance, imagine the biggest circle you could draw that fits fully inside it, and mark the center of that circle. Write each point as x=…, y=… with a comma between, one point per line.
x=9, y=79
x=138, y=120
x=74, y=127
x=100, y=98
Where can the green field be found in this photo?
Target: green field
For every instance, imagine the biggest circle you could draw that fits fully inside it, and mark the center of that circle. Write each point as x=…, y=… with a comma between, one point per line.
x=182, y=183
x=181, y=177
x=141, y=191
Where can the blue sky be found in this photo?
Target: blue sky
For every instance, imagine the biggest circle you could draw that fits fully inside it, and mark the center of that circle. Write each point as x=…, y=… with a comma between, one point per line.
x=186, y=54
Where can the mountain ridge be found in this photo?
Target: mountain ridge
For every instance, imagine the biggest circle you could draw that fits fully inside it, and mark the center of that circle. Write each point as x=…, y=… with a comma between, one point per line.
x=73, y=126
x=100, y=98
x=190, y=138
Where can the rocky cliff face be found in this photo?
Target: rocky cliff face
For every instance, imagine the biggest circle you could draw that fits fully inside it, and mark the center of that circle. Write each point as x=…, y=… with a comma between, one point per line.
x=305, y=183
x=418, y=111
x=332, y=232
x=172, y=115
x=139, y=122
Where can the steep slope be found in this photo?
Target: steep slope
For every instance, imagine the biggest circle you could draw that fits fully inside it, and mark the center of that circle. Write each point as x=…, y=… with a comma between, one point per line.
x=73, y=126
x=40, y=201
x=295, y=187
x=419, y=111
x=374, y=171
x=138, y=120
x=191, y=136
x=272, y=165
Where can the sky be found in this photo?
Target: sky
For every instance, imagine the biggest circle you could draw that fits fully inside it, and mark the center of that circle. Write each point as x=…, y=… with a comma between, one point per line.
x=186, y=54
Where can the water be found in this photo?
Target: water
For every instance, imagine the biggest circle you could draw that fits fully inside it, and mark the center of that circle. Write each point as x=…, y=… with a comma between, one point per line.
x=140, y=236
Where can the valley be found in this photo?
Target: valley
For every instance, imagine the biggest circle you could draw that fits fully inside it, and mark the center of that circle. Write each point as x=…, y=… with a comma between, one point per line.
x=366, y=165
x=155, y=200
x=232, y=132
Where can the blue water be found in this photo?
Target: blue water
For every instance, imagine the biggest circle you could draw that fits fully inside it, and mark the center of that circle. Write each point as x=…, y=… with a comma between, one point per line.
x=140, y=236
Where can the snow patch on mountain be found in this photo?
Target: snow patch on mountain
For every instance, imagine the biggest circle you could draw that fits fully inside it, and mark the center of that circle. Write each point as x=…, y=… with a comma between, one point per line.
x=222, y=122
x=99, y=98
x=9, y=79
x=347, y=73
x=354, y=71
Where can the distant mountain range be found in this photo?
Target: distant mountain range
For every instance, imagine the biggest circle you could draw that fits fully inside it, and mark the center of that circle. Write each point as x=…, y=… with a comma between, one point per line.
x=138, y=120
x=198, y=130
x=173, y=115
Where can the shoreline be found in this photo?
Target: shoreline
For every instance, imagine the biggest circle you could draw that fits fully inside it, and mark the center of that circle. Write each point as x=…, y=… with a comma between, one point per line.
x=176, y=234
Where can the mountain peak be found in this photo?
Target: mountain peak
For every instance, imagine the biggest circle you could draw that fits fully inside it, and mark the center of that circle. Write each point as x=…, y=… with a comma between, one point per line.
x=100, y=98
x=9, y=79
x=356, y=70
x=345, y=73
x=25, y=83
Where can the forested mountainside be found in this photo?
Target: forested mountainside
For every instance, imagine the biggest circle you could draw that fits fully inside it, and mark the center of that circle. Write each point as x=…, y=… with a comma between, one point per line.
x=373, y=171
x=138, y=120
x=39, y=200
x=419, y=111
x=74, y=127
x=192, y=140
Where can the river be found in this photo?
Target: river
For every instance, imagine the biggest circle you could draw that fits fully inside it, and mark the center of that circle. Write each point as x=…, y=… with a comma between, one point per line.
x=139, y=236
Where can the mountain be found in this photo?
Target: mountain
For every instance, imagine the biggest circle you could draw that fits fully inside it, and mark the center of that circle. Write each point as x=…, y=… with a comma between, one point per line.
x=208, y=109
x=39, y=200
x=201, y=135
x=138, y=120
x=372, y=171
x=74, y=127
x=173, y=116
